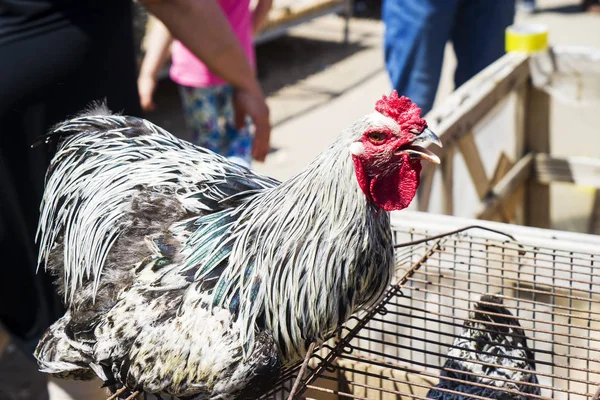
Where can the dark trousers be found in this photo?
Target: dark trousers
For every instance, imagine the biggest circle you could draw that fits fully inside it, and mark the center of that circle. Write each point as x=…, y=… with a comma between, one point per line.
x=46, y=76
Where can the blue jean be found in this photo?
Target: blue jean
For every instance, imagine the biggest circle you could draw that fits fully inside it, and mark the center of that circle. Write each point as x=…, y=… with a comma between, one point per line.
x=416, y=32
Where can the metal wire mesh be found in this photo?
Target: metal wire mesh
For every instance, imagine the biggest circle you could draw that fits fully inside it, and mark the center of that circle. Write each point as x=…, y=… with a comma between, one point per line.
x=398, y=349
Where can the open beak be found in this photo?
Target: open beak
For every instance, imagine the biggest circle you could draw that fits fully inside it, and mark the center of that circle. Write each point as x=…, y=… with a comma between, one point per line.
x=416, y=149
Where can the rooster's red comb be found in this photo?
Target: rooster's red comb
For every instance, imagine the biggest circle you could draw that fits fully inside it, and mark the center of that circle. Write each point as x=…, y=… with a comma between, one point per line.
x=402, y=110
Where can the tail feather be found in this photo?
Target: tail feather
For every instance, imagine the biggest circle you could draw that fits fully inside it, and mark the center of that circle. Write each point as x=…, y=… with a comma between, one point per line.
x=70, y=240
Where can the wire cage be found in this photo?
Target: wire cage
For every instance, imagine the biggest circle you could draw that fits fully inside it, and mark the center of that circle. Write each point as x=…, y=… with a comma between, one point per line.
x=398, y=348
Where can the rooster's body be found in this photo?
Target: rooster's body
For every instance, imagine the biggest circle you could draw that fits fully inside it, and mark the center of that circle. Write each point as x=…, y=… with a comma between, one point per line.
x=185, y=274
x=492, y=354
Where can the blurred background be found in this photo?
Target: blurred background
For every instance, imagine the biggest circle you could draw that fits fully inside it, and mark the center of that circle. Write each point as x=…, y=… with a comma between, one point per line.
x=317, y=84
x=321, y=66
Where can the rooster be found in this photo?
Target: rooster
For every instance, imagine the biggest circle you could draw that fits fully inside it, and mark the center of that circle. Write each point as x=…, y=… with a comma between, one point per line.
x=492, y=350
x=187, y=275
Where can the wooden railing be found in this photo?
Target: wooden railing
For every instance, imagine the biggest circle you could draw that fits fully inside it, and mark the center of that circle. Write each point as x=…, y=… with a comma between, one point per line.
x=286, y=14
x=517, y=188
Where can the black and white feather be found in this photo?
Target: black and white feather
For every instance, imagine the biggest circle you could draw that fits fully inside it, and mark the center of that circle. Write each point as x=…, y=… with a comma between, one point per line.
x=188, y=275
x=492, y=356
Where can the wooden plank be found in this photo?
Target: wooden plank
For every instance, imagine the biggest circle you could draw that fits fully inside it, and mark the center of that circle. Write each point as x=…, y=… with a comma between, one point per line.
x=425, y=187
x=537, y=139
x=467, y=105
x=516, y=207
x=448, y=182
x=507, y=187
x=520, y=119
x=286, y=18
x=470, y=153
x=594, y=226
x=415, y=221
x=584, y=171
x=504, y=165
x=280, y=15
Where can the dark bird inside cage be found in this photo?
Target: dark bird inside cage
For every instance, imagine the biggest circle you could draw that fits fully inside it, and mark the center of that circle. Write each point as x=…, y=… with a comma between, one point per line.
x=492, y=353
x=187, y=275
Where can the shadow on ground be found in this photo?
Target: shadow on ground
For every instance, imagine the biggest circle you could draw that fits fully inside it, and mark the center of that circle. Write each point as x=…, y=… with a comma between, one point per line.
x=290, y=59
x=566, y=9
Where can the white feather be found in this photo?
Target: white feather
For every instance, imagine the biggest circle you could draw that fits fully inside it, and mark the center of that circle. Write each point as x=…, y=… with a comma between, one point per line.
x=357, y=148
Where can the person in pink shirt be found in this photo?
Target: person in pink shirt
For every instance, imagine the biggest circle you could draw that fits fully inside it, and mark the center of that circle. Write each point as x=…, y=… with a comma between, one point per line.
x=208, y=99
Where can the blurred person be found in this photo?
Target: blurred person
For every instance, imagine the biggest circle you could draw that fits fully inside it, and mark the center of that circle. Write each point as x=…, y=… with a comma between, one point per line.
x=416, y=32
x=57, y=56
x=206, y=98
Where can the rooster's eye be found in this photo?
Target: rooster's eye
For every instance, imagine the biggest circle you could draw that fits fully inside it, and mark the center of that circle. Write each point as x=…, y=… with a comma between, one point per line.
x=377, y=137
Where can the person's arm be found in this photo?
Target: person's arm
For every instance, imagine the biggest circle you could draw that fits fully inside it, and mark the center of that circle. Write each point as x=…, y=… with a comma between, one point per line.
x=158, y=40
x=203, y=28
x=260, y=14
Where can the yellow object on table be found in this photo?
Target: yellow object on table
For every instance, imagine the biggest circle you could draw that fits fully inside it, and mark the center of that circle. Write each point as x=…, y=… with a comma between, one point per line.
x=526, y=38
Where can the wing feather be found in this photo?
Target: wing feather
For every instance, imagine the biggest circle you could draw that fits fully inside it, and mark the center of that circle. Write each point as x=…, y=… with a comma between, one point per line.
x=102, y=163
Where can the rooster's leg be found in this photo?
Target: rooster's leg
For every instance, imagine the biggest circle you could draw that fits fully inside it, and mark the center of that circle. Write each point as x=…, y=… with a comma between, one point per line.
x=302, y=371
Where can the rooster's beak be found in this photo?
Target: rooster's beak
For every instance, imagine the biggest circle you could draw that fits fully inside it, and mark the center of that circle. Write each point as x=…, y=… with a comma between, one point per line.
x=416, y=149
x=427, y=136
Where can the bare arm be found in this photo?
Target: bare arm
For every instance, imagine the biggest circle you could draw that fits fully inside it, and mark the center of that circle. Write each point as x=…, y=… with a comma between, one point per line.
x=158, y=41
x=260, y=14
x=203, y=28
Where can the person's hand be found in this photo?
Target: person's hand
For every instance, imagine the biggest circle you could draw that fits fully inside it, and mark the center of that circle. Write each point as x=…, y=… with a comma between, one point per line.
x=253, y=104
x=146, y=87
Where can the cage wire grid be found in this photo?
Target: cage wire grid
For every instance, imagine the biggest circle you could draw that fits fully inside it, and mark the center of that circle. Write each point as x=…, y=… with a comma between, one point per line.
x=397, y=348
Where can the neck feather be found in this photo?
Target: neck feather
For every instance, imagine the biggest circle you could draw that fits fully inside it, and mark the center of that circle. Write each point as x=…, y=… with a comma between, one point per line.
x=319, y=249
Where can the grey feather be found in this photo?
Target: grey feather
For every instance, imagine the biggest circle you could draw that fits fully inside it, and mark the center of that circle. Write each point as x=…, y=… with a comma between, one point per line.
x=493, y=336
x=188, y=275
